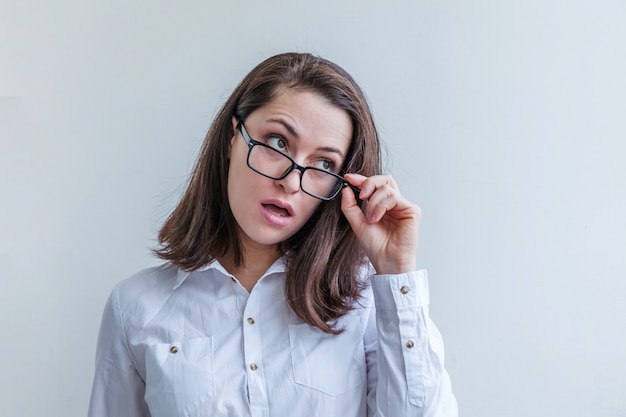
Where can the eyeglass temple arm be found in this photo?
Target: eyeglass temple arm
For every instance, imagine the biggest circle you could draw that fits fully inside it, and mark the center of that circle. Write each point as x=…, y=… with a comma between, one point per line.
x=355, y=189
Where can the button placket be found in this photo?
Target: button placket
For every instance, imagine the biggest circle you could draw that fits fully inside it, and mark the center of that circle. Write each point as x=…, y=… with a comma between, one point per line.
x=252, y=349
x=251, y=334
x=404, y=290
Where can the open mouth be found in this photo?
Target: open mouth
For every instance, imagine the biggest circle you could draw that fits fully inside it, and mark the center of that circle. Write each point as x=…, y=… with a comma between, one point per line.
x=278, y=211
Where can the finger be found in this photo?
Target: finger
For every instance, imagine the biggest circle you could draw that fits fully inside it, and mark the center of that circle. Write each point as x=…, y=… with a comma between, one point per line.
x=378, y=180
x=351, y=209
x=368, y=185
x=387, y=200
x=355, y=179
x=384, y=199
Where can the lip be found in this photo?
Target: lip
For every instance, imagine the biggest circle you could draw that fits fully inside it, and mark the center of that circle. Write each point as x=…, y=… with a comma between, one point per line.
x=280, y=204
x=273, y=218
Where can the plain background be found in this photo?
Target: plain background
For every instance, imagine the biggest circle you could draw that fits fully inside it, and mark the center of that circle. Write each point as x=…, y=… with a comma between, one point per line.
x=505, y=121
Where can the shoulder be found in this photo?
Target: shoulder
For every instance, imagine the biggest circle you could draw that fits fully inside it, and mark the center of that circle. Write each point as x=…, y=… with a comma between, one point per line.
x=145, y=287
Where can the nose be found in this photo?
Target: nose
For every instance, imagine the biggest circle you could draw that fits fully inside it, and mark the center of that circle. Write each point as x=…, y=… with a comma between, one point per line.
x=291, y=183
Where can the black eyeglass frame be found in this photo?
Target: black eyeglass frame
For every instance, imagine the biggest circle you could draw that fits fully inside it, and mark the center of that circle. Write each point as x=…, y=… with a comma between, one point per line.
x=294, y=165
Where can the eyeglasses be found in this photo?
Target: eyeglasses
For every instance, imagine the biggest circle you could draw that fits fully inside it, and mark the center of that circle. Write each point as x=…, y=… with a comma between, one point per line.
x=272, y=163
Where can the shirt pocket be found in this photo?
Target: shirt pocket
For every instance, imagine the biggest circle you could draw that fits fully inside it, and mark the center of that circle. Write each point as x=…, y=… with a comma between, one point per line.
x=332, y=364
x=179, y=376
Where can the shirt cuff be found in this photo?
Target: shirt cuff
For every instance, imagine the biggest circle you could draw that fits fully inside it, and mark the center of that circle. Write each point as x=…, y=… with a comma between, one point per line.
x=401, y=291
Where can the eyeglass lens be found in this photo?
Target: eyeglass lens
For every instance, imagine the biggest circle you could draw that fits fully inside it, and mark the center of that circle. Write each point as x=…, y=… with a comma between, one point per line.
x=272, y=163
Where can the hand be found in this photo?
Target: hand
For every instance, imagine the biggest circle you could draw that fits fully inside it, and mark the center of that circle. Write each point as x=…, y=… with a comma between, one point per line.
x=388, y=230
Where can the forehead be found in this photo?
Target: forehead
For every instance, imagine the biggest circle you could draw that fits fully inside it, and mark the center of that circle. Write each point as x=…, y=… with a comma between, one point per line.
x=306, y=115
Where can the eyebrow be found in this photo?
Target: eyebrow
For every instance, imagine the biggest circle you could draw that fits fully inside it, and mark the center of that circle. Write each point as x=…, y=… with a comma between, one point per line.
x=292, y=131
x=290, y=128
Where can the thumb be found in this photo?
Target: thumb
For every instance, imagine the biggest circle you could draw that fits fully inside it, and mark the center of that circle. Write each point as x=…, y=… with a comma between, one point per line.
x=351, y=209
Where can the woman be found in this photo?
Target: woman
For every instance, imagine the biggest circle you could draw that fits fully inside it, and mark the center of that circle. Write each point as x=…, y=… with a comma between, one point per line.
x=290, y=287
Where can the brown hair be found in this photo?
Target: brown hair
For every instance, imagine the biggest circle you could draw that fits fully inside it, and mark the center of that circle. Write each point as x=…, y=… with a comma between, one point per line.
x=321, y=282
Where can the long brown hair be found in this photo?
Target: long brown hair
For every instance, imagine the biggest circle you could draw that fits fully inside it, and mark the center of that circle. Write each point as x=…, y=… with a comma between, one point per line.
x=324, y=257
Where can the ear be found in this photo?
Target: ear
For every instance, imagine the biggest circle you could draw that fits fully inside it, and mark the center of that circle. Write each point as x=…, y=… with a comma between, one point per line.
x=232, y=140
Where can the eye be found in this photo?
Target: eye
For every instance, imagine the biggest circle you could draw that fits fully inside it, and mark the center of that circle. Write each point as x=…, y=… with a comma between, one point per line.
x=325, y=164
x=277, y=143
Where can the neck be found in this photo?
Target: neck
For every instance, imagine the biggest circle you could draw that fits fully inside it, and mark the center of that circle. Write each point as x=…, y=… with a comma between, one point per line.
x=256, y=260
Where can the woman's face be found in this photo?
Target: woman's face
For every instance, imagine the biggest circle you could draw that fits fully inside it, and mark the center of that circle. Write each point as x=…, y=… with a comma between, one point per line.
x=310, y=130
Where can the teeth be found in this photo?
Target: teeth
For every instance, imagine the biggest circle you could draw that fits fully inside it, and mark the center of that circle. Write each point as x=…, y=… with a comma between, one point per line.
x=279, y=211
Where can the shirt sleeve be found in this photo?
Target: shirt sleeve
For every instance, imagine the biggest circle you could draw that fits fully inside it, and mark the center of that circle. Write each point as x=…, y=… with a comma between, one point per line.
x=405, y=353
x=117, y=389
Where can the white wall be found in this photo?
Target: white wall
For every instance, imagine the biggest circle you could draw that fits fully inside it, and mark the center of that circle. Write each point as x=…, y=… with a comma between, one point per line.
x=504, y=120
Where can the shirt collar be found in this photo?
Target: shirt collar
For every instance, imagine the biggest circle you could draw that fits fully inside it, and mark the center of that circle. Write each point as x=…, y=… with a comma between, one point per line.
x=279, y=266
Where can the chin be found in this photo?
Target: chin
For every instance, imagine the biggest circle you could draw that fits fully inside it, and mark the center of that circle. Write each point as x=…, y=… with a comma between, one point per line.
x=270, y=239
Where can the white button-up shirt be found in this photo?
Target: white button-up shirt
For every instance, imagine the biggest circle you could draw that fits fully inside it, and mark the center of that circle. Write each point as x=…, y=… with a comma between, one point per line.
x=176, y=343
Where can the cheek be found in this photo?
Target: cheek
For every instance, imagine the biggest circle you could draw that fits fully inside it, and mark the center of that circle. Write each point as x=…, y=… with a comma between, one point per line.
x=309, y=205
x=238, y=171
x=237, y=183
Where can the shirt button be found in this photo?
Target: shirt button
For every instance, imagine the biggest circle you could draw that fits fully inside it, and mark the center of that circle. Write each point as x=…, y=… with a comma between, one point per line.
x=174, y=349
x=404, y=289
x=253, y=366
x=250, y=320
x=410, y=344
